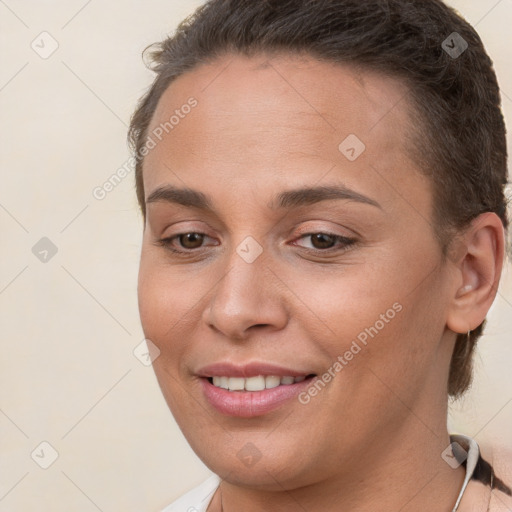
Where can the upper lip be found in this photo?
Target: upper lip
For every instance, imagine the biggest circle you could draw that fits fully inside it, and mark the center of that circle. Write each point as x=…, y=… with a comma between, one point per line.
x=253, y=369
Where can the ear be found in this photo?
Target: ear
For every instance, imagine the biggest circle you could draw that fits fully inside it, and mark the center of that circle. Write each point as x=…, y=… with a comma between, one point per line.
x=477, y=270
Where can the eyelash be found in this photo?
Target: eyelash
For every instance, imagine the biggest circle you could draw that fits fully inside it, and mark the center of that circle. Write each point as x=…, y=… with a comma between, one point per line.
x=347, y=243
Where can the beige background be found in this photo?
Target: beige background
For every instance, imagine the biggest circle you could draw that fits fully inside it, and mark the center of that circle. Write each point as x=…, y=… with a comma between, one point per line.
x=69, y=326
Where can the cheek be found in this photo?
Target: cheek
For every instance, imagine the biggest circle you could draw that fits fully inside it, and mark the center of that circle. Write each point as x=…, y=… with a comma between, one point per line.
x=349, y=303
x=162, y=312
x=371, y=318
x=150, y=292
x=170, y=313
x=165, y=299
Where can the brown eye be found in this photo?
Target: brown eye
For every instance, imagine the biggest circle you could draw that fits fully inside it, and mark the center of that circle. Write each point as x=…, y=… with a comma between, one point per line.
x=191, y=240
x=184, y=244
x=322, y=240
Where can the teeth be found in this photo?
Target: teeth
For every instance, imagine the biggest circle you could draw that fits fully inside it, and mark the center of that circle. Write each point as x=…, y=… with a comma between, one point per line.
x=255, y=383
x=258, y=383
x=236, y=383
x=221, y=382
x=272, y=381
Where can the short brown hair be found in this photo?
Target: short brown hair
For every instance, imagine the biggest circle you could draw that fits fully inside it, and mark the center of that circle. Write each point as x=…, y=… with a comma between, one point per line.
x=460, y=141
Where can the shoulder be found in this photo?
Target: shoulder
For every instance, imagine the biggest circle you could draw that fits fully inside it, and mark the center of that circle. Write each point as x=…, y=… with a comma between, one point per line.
x=197, y=499
x=500, y=459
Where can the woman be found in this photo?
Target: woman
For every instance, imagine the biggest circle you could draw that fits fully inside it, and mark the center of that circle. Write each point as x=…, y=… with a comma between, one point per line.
x=322, y=190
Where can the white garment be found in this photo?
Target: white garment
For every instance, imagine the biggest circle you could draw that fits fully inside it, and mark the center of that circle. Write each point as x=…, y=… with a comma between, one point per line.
x=198, y=499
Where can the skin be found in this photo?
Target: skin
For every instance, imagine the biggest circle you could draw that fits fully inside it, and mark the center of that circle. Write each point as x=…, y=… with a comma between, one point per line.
x=372, y=438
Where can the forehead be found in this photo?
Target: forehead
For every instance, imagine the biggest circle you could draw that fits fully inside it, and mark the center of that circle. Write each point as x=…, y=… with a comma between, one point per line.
x=287, y=84
x=262, y=120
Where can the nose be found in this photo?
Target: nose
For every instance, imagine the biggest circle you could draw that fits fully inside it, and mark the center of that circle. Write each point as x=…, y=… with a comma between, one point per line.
x=248, y=297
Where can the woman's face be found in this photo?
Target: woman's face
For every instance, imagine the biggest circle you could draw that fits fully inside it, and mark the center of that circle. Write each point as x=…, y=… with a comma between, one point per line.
x=280, y=283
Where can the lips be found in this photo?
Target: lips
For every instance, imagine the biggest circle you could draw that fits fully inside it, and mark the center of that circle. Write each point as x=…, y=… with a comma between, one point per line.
x=252, y=389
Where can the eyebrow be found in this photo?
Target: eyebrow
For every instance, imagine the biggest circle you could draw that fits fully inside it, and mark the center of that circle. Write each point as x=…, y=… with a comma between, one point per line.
x=284, y=200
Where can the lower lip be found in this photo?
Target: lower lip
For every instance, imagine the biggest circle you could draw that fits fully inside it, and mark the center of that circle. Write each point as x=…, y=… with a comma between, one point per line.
x=247, y=404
